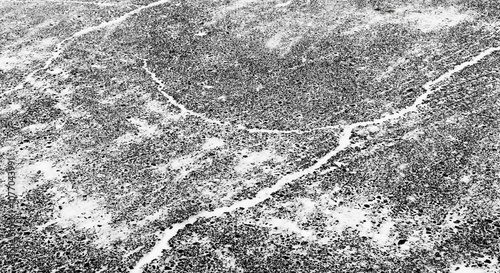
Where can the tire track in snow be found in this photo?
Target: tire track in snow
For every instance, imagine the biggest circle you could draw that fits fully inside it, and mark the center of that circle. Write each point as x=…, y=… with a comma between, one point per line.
x=343, y=143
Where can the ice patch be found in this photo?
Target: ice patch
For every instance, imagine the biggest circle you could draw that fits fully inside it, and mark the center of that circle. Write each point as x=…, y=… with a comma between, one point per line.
x=425, y=20
x=5, y=149
x=281, y=5
x=25, y=174
x=222, y=98
x=274, y=42
x=35, y=127
x=145, y=129
x=383, y=236
x=157, y=107
x=466, y=178
x=213, y=143
x=255, y=159
x=436, y=19
x=344, y=217
x=287, y=225
x=466, y=269
x=7, y=63
x=182, y=162
x=307, y=206
x=11, y=108
x=413, y=135
x=87, y=214
x=236, y=5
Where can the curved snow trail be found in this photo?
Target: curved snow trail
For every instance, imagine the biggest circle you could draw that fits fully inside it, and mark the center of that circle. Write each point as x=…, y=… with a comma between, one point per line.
x=343, y=143
x=60, y=46
x=185, y=111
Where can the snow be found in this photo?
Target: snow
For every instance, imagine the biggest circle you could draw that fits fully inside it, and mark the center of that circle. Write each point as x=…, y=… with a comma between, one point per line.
x=213, y=143
x=255, y=159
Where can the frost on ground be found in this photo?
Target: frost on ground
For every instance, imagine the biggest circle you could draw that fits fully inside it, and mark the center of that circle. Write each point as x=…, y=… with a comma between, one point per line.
x=250, y=136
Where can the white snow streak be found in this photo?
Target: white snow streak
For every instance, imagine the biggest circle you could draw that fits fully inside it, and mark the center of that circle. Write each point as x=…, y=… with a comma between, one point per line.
x=184, y=110
x=343, y=143
x=60, y=46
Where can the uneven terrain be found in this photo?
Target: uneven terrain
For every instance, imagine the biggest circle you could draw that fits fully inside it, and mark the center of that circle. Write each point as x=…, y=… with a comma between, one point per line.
x=250, y=136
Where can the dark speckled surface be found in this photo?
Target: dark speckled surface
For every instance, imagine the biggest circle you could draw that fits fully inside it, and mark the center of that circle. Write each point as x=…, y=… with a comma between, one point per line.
x=250, y=136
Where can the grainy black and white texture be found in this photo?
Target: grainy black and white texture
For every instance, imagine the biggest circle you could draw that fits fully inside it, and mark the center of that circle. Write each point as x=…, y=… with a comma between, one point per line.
x=254, y=136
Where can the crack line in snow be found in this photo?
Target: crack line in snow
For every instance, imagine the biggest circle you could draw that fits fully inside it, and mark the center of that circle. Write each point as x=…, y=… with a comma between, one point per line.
x=343, y=143
x=60, y=46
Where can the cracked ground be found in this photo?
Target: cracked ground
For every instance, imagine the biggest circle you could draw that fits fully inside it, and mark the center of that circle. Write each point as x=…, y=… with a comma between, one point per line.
x=250, y=136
